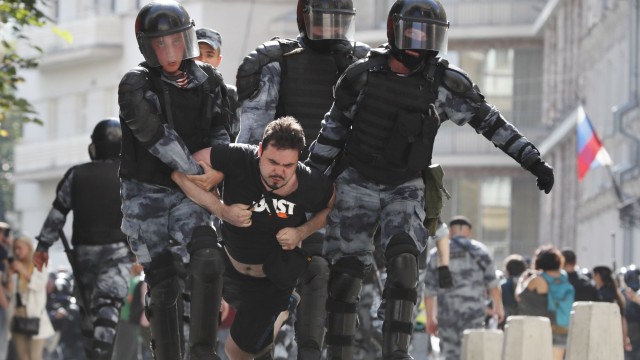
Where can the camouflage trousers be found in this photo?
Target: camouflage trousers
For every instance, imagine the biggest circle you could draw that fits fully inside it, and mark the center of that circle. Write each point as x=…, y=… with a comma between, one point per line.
x=450, y=334
x=156, y=218
x=362, y=206
x=104, y=274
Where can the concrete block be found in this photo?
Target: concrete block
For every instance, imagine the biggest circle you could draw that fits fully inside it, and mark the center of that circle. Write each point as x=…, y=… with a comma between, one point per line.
x=527, y=338
x=481, y=344
x=595, y=332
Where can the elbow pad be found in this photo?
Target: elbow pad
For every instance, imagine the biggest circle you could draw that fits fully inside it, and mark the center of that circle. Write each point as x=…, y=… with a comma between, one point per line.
x=135, y=111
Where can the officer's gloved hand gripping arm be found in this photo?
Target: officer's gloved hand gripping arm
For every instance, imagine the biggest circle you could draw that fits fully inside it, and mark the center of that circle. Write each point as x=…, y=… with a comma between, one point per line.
x=140, y=113
x=488, y=121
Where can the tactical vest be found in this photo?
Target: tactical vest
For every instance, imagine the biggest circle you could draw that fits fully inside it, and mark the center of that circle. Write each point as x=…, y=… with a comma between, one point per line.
x=393, y=132
x=188, y=111
x=306, y=89
x=96, y=204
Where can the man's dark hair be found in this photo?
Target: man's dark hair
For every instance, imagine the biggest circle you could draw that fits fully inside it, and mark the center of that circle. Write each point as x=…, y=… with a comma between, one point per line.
x=515, y=265
x=569, y=257
x=548, y=258
x=284, y=133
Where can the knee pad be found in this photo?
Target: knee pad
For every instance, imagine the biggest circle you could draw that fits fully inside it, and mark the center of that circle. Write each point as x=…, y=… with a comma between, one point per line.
x=161, y=268
x=207, y=258
x=402, y=271
x=399, y=244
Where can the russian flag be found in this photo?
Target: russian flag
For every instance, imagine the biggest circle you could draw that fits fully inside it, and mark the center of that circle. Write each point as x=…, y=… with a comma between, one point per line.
x=591, y=153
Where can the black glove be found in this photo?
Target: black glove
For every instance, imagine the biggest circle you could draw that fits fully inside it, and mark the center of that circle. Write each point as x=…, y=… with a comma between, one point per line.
x=444, y=277
x=544, y=173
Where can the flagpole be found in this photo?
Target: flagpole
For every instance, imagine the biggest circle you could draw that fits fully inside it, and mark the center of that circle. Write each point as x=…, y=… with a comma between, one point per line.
x=616, y=185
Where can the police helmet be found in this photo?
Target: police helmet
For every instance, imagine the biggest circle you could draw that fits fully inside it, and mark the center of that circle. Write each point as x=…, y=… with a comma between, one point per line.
x=417, y=25
x=166, y=33
x=105, y=140
x=326, y=19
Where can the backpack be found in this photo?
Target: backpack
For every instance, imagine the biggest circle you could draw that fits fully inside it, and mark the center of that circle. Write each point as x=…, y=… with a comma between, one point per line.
x=560, y=297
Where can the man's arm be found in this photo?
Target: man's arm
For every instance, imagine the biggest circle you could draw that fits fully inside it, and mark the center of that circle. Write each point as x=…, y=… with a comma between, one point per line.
x=260, y=109
x=55, y=220
x=336, y=124
x=496, y=297
x=289, y=238
x=464, y=103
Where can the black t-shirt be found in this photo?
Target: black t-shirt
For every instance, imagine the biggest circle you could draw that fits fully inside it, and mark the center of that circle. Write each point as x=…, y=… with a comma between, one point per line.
x=239, y=163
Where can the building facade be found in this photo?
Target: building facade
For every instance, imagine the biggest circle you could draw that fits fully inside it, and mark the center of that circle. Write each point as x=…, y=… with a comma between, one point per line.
x=591, y=51
x=499, y=43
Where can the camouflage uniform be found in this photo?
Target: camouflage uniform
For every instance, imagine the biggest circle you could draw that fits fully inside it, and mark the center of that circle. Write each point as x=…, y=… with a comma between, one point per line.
x=158, y=219
x=388, y=123
x=462, y=306
x=103, y=269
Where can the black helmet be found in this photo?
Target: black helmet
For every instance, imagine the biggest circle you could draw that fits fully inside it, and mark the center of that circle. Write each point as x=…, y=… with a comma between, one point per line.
x=331, y=19
x=105, y=140
x=166, y=33
x=417, y=25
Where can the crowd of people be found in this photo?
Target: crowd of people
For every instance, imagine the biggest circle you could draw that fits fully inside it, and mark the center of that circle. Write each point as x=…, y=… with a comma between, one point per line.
x=241, y=212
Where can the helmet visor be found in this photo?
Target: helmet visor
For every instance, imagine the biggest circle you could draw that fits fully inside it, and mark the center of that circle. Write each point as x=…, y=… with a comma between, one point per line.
x=330, y=24
x=171, y=48
x=420, y=35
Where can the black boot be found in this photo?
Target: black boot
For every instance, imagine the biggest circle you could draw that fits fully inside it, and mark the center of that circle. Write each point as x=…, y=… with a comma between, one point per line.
x=344, y=292
x=205, y=274
x=400, y=294
x=165, y=308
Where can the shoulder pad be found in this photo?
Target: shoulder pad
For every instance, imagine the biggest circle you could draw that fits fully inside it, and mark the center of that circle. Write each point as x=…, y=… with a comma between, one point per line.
x=361, y=50
x=214, y=75
x=248, y=76
x=457, y=81
x=134, y=79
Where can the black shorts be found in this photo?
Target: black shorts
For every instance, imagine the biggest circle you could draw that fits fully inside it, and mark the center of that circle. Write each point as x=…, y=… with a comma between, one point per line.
x=258, y=302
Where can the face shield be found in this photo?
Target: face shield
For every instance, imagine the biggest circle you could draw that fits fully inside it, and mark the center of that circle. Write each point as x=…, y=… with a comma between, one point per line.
x=418, y=34
x=166, y=49
x=330, y=24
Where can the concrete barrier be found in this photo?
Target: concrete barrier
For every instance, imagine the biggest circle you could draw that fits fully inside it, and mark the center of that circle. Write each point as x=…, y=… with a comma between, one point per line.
x=595, y=332
x=527, y=338
x=481, y=344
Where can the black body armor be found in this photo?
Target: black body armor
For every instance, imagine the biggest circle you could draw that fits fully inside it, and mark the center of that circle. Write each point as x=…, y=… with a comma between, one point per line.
x=97, y=217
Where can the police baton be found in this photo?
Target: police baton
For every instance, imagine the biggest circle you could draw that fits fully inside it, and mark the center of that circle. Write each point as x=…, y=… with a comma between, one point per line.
x=71, y=256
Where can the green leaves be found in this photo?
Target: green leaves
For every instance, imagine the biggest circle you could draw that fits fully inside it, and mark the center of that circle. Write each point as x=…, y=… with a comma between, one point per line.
x=15, y=17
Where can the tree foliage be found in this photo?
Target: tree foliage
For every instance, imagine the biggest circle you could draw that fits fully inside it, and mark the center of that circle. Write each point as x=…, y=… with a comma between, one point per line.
x=15, y=17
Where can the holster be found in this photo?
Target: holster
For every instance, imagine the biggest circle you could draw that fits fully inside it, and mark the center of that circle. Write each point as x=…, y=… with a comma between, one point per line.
x=433, y=192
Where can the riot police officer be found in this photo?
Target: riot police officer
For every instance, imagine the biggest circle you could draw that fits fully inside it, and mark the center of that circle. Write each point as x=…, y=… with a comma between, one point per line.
x=91, y=191
x=387, y=111
x=287, y=77
x=170, y=107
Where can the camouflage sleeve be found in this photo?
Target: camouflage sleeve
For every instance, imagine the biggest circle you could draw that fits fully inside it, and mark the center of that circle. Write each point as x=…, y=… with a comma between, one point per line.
x=260, y=109
x=489, y=277
x=461, y=101
x=57, y=216
x=431, y=277
x=171, y=150
x=336, y=124
x=140, y=112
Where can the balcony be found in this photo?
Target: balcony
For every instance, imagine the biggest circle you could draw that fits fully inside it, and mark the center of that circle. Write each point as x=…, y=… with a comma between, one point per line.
x=49, y=159
x=94, y=39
